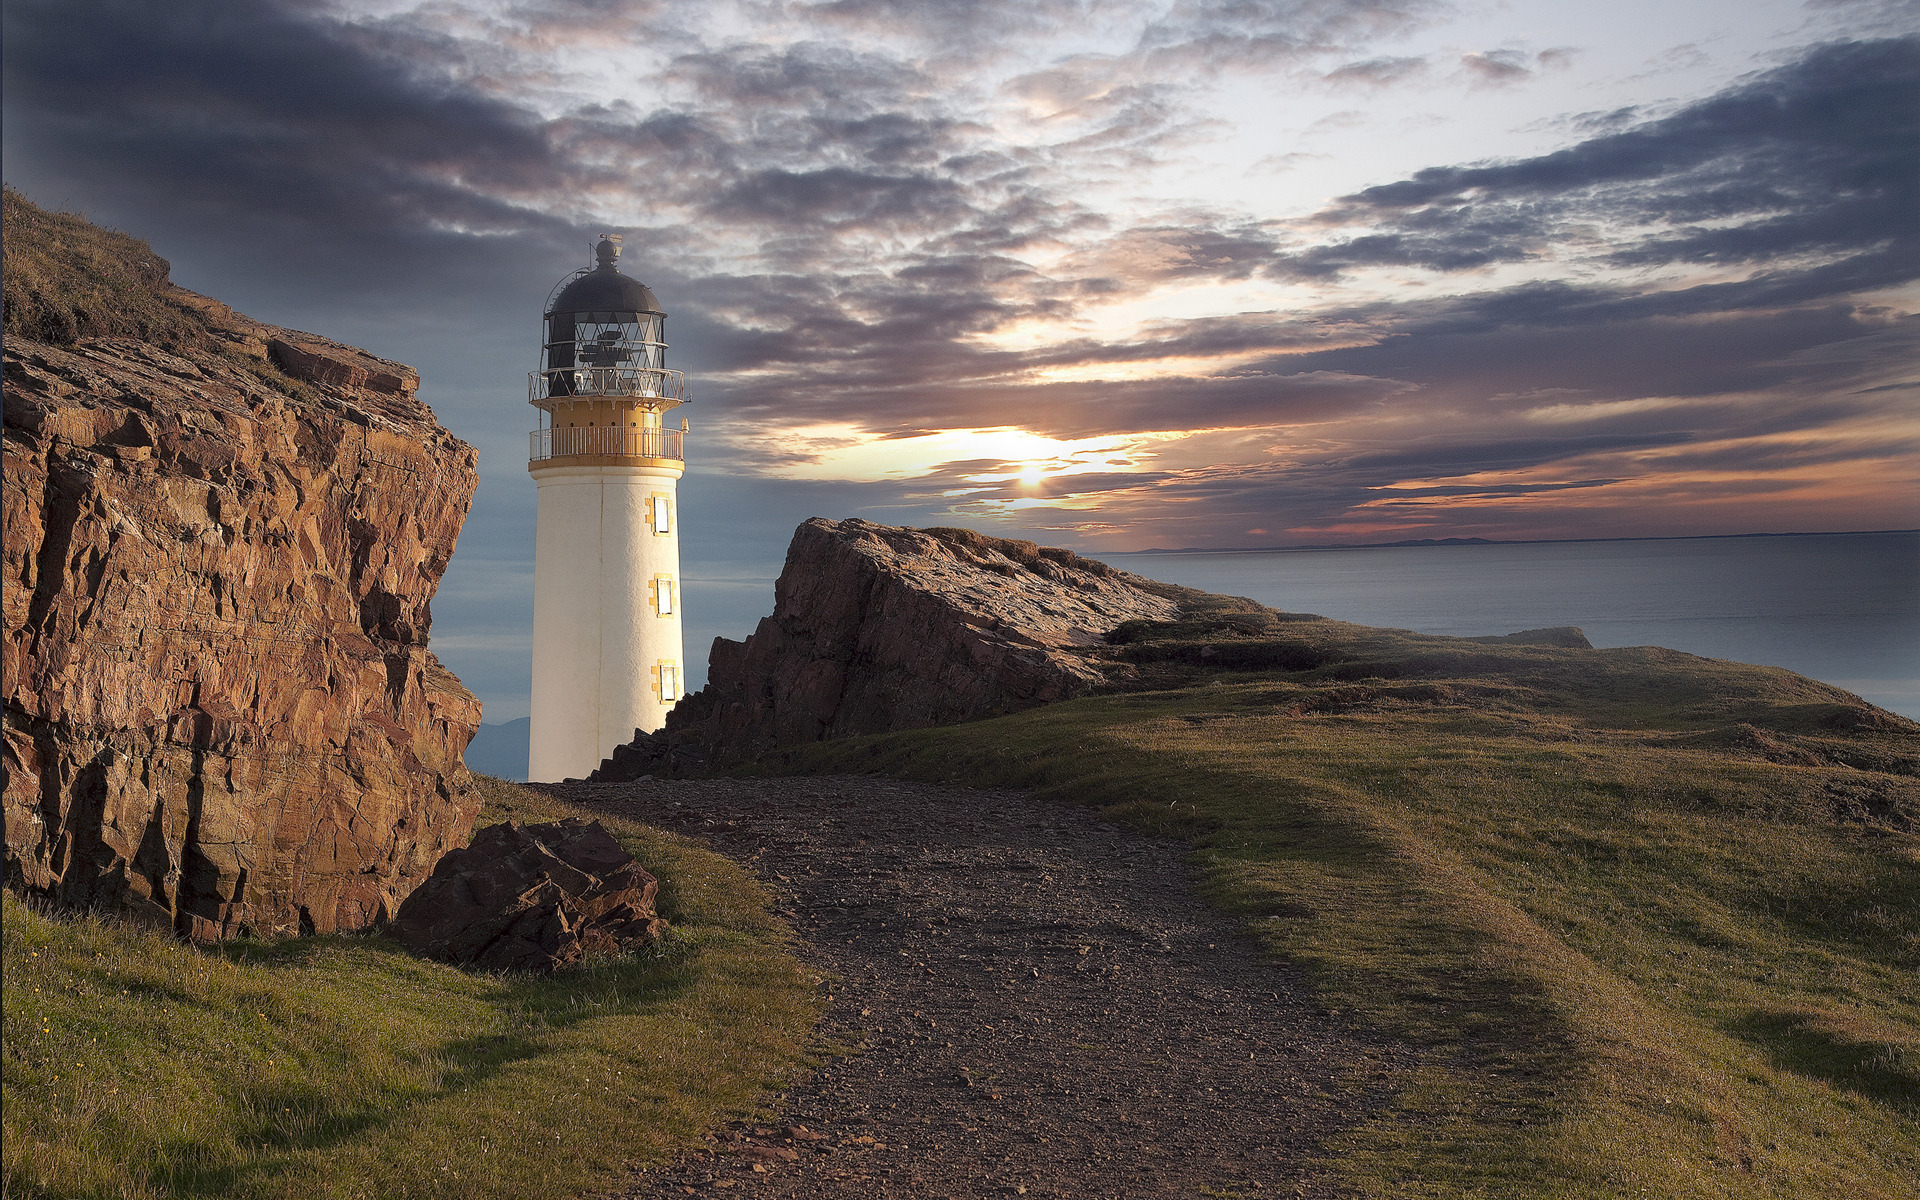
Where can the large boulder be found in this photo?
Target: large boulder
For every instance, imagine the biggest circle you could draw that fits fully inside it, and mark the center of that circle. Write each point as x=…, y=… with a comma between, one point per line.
x=531, y=898
x=877, y=628
x=220, y=710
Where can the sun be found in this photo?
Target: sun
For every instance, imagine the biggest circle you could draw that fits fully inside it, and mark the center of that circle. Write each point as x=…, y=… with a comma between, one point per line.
x=1031, y=475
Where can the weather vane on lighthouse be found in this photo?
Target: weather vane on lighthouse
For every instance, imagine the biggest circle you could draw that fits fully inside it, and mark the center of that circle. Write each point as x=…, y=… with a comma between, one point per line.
x=606, y=605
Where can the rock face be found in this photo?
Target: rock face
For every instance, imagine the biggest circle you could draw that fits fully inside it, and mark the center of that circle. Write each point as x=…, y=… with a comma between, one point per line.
x=877, y=628
x=531, y=898
x=220, y=710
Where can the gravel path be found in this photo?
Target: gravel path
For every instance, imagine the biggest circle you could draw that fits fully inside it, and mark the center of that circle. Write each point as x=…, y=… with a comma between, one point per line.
x=1036, y=1003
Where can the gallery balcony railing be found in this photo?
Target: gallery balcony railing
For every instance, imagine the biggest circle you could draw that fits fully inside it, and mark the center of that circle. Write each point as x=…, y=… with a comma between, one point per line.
x=607, y=441
x=627, y=383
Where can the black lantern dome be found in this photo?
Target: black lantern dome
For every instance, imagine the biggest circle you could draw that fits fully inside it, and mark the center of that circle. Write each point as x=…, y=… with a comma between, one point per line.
x=606, y=336
x=605, y=290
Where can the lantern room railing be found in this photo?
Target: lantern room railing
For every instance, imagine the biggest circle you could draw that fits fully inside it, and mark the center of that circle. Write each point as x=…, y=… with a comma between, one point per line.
x=610, y=441
x=662, y=383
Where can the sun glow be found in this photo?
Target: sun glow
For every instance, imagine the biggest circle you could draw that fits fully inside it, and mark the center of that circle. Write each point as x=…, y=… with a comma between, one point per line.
x=1172, y=367
x=1001, y=454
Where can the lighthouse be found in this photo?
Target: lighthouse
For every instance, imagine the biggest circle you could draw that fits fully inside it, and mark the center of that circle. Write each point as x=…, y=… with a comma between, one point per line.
x=607, y=654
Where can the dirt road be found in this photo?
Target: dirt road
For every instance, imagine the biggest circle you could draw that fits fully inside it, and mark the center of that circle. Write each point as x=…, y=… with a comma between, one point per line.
x=1040, y=1005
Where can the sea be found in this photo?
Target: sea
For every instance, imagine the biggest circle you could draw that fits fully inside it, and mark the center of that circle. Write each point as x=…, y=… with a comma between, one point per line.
x=1843, y=608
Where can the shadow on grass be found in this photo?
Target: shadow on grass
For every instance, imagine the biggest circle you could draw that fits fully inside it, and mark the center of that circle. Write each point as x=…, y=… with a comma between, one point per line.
x=1822, y=1047
x=531, y=1009
x=1870, y=912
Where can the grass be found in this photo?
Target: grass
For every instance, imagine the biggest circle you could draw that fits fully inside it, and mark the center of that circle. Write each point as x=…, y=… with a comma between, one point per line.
x=67, y=278
x=1652, y=920
x=136, y=1066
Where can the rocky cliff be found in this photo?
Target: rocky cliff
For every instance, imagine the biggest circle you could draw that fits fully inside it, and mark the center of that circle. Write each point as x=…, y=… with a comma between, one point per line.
x=220, y=543
x=877, y=628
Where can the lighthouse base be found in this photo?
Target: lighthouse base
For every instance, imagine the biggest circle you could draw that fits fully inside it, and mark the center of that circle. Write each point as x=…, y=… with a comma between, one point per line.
x=607, y=654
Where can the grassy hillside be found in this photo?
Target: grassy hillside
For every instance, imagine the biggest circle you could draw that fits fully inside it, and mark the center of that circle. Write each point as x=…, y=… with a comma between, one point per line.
x=1654, y=919
x=135, y=1066
x=67, y=278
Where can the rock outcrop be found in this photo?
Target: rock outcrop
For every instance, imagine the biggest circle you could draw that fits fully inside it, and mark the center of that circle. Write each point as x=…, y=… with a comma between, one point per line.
x=531, y=898
x=877, y=628
x=220, y=709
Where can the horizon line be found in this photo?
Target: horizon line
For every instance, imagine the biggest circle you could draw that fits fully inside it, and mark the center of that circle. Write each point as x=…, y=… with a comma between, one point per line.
x=1480, y=541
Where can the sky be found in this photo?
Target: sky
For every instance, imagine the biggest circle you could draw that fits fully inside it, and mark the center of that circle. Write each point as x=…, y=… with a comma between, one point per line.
x=1109, y=275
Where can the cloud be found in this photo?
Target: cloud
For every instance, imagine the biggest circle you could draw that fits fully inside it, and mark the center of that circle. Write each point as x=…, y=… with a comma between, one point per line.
x=1496, y=68
x=273, y=123
x=983, y=26
x=1815, y=157
x=1142, y=91
x=1377, y=72
x=836, y=196
x=799, y=78
x=1222, y=33
x=889, y=218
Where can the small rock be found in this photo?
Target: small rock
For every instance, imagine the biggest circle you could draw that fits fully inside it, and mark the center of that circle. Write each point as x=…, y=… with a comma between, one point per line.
x=534, y=897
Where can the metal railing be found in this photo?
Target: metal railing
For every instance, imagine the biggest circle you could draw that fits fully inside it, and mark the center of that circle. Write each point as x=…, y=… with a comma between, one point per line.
x=662, y=383
x=607, y=441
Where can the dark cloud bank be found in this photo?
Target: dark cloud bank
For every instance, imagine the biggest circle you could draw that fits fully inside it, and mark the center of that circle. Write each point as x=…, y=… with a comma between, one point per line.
x=841, y=238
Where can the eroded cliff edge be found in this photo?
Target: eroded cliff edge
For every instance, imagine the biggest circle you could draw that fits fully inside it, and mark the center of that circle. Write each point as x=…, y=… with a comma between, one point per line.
x=877, y=628
x=221, y=540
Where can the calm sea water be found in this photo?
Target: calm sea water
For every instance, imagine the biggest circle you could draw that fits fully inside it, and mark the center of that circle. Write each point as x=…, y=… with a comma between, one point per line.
x=1840, y=607
x=1843, y=608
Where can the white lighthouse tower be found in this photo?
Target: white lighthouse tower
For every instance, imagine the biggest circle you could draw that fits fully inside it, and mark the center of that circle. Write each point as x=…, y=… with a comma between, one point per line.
x=606, y=601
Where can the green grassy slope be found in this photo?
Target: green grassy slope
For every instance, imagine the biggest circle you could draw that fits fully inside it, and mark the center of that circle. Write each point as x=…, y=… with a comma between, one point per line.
x=135, y=1066
x=1654, y=919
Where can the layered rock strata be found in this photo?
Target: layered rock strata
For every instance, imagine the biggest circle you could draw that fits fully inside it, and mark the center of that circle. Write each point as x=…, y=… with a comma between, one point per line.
x=532, y=898
x=877, y=628
x=220, y=709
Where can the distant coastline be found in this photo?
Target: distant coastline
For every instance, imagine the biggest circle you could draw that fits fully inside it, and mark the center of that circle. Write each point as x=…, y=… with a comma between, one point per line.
x=1476, y=541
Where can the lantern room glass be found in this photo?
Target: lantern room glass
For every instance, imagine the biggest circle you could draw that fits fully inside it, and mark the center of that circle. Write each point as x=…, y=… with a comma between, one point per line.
x=605, y=340
x=607, y=354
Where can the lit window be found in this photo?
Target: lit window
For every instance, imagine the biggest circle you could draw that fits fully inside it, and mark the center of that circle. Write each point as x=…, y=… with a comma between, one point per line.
x=663, y=595
x=669, y=683
x=662, y=515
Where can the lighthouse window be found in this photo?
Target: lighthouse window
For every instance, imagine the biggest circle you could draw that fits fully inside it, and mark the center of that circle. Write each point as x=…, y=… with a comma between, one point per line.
x=662, y=514
x=663, y=595
x=669, y=683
